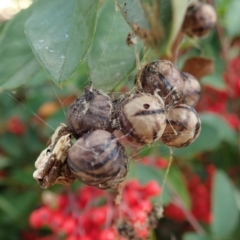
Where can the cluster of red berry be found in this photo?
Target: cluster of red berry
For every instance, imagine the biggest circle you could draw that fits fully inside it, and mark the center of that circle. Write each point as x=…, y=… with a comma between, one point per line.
x=200, y=194
x=217, y=100
x=81, y=216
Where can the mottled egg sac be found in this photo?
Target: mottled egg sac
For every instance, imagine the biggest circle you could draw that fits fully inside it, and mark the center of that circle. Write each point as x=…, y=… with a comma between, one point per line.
x=98, y=159
x=191, y=89
x=163, y=78
x=183, y=126
x=200, y=18
x=142, y=118
x=91, y=111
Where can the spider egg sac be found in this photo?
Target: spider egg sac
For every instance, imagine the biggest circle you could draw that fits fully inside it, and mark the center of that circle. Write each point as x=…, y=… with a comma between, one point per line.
x=91, y=111
x=163, y=78
x=142, y=118
x=183, y=126
x=200, y=18
x=191, y=89
x=98, y=159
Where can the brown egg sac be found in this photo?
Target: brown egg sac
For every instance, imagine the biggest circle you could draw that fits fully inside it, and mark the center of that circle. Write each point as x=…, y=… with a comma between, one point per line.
x=191, y=89
x=163, y=78
x=200, y=18
x=142, y=118
x=91, y=111
x=98, y=160
x=183, y=126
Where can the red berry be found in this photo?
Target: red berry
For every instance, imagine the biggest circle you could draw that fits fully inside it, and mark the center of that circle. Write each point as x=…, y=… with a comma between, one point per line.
x=72, y=237
x=57, y=222
x=210, y=169
x=174, y=212
x=63, y=201
x=133, y=185
x=107, y=234
x=151, y=189
x=143, y=232
x=201, y=191
x=15, y=126
x=85, y=237
x=86, y=195
x=85, y=220
x=145, y=205
x=139, y=216
x=192, y=182
x=34, y=220
x=131, y=197
x=69, y=225
x=161, y=163
x=40, y=217
x=99, y=215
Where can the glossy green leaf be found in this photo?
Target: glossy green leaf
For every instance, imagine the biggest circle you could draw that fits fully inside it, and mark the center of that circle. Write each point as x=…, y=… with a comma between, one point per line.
x=213, y=131
x=194, y=236
x=18, y=63
x=224, y=207
x=110, y=59
x=60, y=33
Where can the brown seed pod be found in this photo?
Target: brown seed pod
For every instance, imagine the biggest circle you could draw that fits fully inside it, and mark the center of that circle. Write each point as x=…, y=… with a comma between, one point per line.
x=163, y=78
x=142, y=118
x=183, y=126
x=91, y=111
x=191, y=89
x=200, y=18
x=98, y=159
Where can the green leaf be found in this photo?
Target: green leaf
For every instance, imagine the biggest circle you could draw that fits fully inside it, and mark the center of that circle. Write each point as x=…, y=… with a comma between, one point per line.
x=193, y=236
x=212, y=47
x=214, y=130
x=133, y=13
x=237, y=195
x=4, y=162
x=225, y=132
x=166, y=16
x=224, y=206
x=110, y=59
x=8, y=148
x=23, y=177
x=232, y=18
x=18, y=63
x=178, y=182
x=178, y=12
x=60, y=33
x=8, y=208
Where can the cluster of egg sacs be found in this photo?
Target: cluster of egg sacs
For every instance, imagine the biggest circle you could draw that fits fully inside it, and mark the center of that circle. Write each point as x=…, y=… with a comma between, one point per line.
x=159, y=108
x=172, y=96
x=96, y=158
